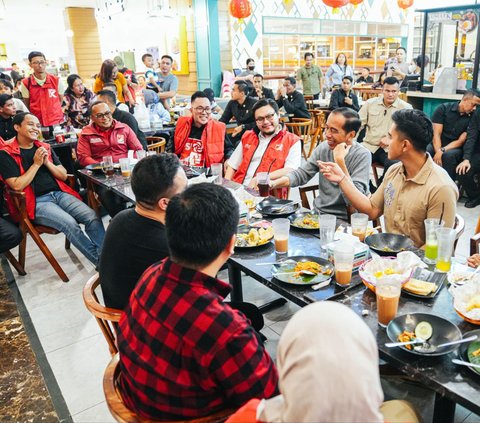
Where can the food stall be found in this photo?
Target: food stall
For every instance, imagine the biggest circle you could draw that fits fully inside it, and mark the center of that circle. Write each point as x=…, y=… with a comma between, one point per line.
x=450, y=39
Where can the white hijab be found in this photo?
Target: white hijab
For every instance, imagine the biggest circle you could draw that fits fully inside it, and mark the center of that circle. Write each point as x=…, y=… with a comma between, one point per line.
x=327, y=360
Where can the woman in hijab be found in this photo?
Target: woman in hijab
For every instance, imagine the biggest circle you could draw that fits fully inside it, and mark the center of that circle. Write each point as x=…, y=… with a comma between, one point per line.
x=76, y=102
x=327, y=361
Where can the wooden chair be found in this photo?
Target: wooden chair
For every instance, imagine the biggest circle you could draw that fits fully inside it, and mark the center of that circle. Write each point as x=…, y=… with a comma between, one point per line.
x=14, y=262
x=316, y=132
x=475, y=239
x=158, y=147
x=29, y=228
x=154, y=140
x=375, y=167
x=301, y=127
x=104, y=316
x=309, y=101
x=123, y=414
x=459, y=227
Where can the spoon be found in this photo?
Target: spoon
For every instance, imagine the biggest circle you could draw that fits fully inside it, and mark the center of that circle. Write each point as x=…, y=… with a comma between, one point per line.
x=282, y=208
x=301, y=272
x=465, y=363
x=428, y=348
x=287, y=261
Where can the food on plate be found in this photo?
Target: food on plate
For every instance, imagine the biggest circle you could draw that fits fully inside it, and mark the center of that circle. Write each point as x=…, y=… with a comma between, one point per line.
x=406, y=336
x=473, y=354
x=311, y=266
x=473, y=303
x=254, y=237
x=419, y=287
x=388, y=249
x=476, y=353
x=250, y=203
x=307, y=221
x=385, y=272
x=423, y=331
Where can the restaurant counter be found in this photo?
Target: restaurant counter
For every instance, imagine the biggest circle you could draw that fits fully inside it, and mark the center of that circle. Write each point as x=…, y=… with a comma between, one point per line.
x=428, y=102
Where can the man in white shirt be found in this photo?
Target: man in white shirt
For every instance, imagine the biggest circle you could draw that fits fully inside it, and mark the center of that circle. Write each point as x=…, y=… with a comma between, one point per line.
x=269, y=146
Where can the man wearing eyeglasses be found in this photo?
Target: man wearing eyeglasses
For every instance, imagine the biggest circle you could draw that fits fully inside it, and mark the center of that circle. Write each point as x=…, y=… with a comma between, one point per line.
x=268, y=147
x=105, y=137
x=43, y=92
x=199, y=140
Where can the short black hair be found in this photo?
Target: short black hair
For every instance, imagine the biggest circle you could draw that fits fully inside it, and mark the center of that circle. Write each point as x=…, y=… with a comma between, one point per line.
x=347, y=77
x=250, y=60
x=198, y=94
x=390, y=80
x=368, y=69
x=153, y=178
x=308, y=54
x=6, y=83
x=422, y=60
x=209, y=93
x=352, y=119
x=472, y=92
x=242, y=86
x=33, y=54
x=13, y=64
x=4, y=98
x=200, y=222
x=144, y=56
x=166, y=56
x=258, y=75
x=70, y=81
x=292, y=80
x=401, y=48
x=109, y=95
x=95, y=103
x=415, y=126
x=265, y=102
x=20, y=117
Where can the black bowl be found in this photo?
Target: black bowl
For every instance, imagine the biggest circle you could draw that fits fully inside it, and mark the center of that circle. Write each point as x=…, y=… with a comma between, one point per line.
x=271, y=206
x=385, y=244
x=443, y=331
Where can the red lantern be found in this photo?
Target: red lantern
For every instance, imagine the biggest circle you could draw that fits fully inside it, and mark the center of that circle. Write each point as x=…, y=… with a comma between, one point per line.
x=355, y=2
x=336, y=4
x=240, y=9
x=404, y=4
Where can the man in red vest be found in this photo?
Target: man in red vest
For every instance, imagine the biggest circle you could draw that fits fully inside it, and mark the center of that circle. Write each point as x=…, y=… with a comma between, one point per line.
x=29, y=165
x=199, y=139
x=43, y=92
x=268, y=146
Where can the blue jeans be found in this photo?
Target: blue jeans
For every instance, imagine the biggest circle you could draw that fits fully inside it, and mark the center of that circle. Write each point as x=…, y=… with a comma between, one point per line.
x=64, y=212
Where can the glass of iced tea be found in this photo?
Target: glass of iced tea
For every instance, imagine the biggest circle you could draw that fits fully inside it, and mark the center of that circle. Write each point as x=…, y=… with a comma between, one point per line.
x=343, y=259
x=446, y=240
x=388, y=294
x=107, y=166
x=359, y=222
x=431, y=242
x=125, y=167
x=263, y=184
x=281, y=232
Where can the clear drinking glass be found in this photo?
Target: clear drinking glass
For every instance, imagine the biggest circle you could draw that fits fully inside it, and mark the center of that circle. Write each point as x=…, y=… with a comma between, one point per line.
x=125, y=167
x=431, y=243
x=359, y=222
x=327, y=224
x=217, y=170
x=343, y=258
x=107, y=166
x=388, y=295
x=263, y=184
x=281, y=233
x=446, y=239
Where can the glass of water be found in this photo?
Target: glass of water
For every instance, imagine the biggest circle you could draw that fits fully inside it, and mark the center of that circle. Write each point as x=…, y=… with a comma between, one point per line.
x=327, y=224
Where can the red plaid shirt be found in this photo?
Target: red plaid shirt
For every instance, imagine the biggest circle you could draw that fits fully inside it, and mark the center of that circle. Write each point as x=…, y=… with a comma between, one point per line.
x=183, y=352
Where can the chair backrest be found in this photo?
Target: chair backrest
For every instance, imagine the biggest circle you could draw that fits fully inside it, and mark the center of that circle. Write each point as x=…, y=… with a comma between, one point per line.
x=158, y=147
x=105, y=316
x=309, y=101
x=154, y=140
x=301, y=127
x=303, y=195
x=123, y=414
x=459, y=227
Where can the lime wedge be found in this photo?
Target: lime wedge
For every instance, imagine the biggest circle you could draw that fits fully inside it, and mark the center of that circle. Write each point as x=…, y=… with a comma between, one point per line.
x=423, y=331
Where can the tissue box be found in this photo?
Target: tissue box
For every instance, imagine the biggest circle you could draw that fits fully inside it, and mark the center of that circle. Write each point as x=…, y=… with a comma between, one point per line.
x=361, y=250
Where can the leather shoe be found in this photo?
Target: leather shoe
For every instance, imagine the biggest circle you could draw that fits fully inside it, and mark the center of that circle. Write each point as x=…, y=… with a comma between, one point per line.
x=474, y=202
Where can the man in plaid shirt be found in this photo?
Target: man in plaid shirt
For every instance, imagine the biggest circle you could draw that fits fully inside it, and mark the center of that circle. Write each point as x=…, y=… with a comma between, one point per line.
x=184, y=353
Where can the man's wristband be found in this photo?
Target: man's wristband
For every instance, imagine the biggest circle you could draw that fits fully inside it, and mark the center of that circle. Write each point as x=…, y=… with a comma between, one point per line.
x=340, y=181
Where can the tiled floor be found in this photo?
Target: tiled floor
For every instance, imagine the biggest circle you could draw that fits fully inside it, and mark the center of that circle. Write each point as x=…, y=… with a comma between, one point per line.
x=74, y=345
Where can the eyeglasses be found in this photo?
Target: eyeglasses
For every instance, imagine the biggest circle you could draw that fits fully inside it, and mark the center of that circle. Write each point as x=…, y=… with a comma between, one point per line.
x=39, y=63
x=262, y=119
x=103, y=115
x=201, y=109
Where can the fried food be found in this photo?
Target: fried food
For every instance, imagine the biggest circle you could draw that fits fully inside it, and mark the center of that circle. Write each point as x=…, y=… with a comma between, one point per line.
x=308, y=221
x=407, y=336
x=254, y=237
x=419, y=287
x=311, y=266
x=474, y=303
x=476, y=353
x=385, y=272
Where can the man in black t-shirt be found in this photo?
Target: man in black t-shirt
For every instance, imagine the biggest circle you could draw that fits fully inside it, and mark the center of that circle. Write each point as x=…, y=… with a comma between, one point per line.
x=30, y=166
x=450, y=123
x=136, y=237
x=7, y=112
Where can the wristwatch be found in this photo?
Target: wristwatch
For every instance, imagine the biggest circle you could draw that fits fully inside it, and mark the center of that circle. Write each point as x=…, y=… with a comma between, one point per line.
x=442, y=149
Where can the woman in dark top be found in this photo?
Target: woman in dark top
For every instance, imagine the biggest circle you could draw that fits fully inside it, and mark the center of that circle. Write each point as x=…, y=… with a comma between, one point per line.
x=76, y=102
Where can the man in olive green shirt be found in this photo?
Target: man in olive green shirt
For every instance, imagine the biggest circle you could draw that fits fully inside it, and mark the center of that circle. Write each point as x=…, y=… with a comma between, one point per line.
x=311, y=76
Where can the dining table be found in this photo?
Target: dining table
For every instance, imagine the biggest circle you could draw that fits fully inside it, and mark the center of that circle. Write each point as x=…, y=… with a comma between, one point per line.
x=452, y=384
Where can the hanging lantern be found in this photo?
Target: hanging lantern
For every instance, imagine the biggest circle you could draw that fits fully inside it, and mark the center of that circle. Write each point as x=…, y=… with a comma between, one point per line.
x=404, y=4
x=336, y=4
x=240, y=9
x=355, y=2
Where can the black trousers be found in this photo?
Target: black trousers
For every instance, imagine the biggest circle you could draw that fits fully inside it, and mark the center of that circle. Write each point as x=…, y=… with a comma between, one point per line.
x=112, y=203
x=467, y=181
x=10, y=235
x=381, y=156
x=450, y=160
